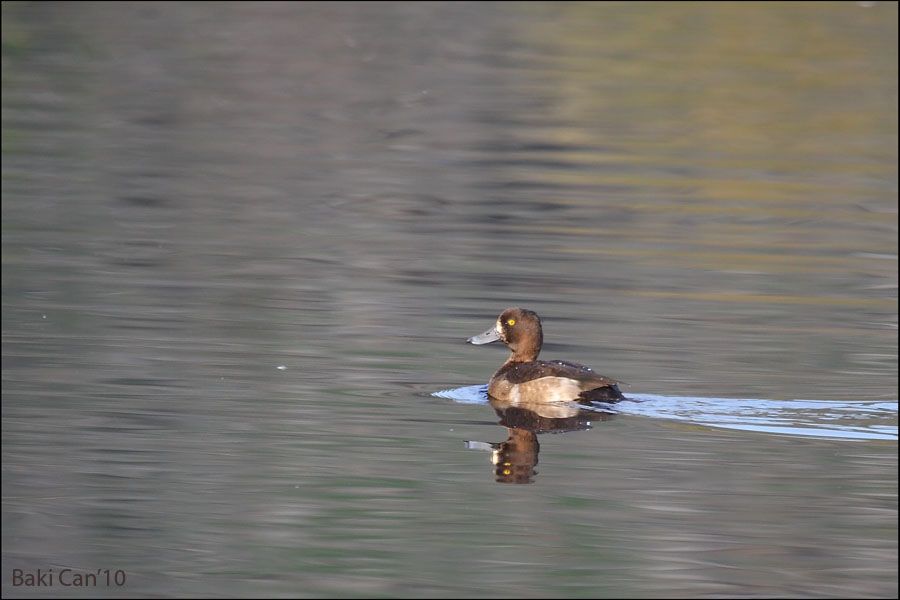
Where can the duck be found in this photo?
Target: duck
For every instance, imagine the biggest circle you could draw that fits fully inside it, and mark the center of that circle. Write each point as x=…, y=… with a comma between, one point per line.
x=523, y=379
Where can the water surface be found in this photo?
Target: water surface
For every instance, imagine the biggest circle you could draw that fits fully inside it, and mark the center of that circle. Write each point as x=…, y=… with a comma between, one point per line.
x=243, y=244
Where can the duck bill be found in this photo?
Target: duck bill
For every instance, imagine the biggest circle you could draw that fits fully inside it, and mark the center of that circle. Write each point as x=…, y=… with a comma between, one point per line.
x=473, y=445
x=491, y=335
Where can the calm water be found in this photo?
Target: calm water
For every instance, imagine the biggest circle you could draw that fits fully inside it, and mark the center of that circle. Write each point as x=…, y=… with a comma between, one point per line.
x=243, y=245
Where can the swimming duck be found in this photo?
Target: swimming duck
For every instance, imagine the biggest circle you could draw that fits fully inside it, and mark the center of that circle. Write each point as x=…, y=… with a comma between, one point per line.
x=525, y=379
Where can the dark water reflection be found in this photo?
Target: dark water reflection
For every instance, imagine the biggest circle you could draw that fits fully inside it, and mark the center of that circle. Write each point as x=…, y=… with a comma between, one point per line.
x=515, y=459
x=243, y=243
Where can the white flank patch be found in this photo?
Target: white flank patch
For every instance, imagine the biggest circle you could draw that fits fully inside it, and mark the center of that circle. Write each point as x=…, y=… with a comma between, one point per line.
x=545, y=389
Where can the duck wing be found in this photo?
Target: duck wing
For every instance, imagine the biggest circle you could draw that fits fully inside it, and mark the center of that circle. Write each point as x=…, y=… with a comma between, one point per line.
x=536, y=369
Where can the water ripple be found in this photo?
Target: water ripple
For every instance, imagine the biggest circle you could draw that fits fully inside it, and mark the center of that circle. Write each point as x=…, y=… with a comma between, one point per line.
x=856, y=420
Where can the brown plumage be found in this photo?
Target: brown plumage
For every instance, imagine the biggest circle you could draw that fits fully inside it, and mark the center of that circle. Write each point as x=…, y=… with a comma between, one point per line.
x=524, y=378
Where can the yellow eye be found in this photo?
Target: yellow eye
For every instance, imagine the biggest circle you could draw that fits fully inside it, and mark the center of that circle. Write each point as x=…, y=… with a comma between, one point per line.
x=511, y=322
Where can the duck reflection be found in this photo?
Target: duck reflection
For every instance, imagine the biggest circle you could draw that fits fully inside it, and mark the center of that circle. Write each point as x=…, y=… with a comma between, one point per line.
x=515, y=459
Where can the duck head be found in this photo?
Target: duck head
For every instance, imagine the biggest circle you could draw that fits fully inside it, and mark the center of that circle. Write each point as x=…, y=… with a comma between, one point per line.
x=519, y=329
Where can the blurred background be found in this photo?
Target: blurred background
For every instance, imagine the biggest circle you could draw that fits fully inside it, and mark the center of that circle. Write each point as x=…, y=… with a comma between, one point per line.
x=242, y=244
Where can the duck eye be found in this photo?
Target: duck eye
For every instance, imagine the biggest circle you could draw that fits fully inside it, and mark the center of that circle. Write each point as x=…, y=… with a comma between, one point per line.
x=511, y=322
